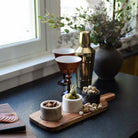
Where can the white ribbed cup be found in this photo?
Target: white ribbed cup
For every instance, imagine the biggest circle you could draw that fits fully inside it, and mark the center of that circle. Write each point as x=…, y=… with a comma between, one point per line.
x=71, y=105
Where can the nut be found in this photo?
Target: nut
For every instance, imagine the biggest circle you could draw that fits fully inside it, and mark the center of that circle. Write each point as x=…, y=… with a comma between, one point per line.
x=90, y=91
x=100, y=106
x=81, y=113
x=85, y=89
x=89, y=87
x=51, y=104
x=86, y=110
x=92, y=109
x=95, y=89
x=87, y=104
x=90, y=106
x=94, y=105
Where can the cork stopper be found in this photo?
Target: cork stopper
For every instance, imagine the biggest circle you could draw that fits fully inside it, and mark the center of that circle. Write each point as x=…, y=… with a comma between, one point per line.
x=84, y=40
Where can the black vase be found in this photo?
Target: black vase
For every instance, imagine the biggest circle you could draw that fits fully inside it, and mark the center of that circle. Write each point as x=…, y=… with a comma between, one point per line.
x=108, y=62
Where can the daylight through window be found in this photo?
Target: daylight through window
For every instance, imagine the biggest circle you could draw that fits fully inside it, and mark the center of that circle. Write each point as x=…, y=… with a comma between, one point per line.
x=17, y=21
x=68, y=8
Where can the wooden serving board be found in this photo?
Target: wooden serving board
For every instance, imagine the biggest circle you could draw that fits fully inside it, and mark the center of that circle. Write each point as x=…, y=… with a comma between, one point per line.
x=69, y=118
x=6, y=108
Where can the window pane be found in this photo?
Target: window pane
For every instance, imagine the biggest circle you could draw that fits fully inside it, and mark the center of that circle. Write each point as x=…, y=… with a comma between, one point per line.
x=17, y=21
x=68, y=8
x=134, y=13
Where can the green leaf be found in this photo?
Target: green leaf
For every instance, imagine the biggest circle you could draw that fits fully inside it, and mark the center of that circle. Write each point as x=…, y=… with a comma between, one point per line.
x=70, y=23
x=40, y=17
x=67, y=19
x=53, y=16
x=77, y=9
x=128, y=7
x=82, y=16
x=95, y=28
x=126, y=1
x=66, y=30
x=61, y=25
x=128, y=18
x=75, y=27
x=61, y=18
x=53, y=26
x=105, y=9
x=51, y=21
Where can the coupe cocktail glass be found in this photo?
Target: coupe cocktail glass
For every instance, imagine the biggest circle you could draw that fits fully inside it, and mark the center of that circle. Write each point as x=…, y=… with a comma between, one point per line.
x=63, y=52
x=68, y=65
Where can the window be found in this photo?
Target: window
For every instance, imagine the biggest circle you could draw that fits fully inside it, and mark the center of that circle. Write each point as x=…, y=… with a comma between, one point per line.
x=22, y=36
x=17, y=26
x=135, y=11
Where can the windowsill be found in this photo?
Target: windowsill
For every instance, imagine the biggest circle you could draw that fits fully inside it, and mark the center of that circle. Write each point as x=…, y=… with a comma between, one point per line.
x=32, y=69
x=25, y=65
x=26, y=71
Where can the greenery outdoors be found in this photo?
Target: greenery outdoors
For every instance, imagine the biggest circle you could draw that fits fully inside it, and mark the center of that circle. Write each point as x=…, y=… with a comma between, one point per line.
x=105, y=30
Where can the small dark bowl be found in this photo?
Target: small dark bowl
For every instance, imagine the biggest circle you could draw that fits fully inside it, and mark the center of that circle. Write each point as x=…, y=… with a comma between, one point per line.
x=91, y=98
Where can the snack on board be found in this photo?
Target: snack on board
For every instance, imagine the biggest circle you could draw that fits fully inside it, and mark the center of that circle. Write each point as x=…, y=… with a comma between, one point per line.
x=90, y=89
x=51, y=104
x=50, y=110
x=72, y=102
x=90, y=108
x=8, y=117
x=72, y=94
x=91, y=94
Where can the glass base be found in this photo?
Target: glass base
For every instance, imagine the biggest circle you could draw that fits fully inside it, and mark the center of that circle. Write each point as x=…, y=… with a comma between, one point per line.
x=62, y=82
x=64, y=92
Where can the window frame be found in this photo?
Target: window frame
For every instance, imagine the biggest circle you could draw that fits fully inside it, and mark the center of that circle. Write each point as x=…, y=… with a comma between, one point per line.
x=137, y=19
x=43, y=44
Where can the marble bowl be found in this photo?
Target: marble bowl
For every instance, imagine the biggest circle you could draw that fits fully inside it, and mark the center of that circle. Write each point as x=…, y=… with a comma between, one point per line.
x=91, y=98
x=71, y=105
x=50, y=113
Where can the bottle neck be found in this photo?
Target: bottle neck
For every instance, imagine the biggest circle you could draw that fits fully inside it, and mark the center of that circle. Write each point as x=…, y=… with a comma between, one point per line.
x=84, y=40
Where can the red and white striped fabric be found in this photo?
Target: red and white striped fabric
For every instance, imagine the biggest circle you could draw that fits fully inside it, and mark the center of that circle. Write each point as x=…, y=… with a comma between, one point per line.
x=8, y=117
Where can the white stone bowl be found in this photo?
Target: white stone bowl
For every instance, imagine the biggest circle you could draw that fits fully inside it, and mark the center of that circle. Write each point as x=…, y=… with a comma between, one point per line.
x=71, y=105
x=50, y=113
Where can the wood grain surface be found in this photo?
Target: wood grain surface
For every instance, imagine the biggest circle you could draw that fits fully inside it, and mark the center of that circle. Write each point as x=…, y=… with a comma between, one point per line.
x=27, y=134
x=6, y=108
x=68, y=118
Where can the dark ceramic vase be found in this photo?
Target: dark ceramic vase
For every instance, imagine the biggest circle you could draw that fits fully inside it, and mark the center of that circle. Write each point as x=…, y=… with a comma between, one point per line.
x=108, y=62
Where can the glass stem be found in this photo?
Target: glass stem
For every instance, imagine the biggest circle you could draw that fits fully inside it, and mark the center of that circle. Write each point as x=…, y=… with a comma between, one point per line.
x=68, y=79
